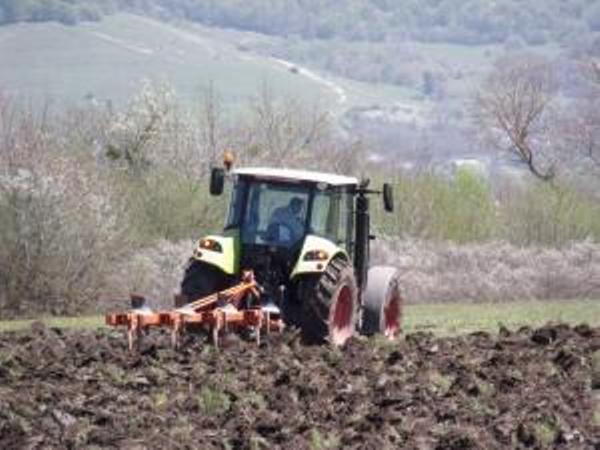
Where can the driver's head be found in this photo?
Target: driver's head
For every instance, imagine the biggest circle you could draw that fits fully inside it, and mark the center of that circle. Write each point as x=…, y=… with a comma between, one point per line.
x=296, y=205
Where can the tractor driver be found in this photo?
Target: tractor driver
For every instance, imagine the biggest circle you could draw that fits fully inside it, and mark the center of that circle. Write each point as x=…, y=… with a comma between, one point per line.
x=289, y=221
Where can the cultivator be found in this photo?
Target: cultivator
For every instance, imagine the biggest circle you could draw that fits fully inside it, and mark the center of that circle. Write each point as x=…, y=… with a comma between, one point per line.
x=236, y=308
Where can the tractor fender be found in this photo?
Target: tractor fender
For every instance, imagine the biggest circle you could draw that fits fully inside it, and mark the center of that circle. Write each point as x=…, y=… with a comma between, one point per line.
x=308, y=264
x=382, y=302
x=219, y=251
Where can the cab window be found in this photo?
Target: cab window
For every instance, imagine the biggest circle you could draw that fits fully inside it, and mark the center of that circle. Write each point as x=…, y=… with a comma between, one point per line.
x=331, y=217
x=270, y=216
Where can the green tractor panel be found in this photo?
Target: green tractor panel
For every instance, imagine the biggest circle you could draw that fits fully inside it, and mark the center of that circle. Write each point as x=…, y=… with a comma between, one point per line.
x=306, y=237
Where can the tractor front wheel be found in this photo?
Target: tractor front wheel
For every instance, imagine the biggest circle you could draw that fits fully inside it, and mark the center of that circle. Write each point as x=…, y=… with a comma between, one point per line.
x=199, y=280
x=330, y=305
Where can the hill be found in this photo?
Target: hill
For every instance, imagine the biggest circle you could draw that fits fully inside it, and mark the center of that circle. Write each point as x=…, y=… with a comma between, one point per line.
x=106, y=60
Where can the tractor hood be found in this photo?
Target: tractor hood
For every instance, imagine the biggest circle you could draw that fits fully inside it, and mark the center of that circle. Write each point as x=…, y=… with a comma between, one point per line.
x=316, y=254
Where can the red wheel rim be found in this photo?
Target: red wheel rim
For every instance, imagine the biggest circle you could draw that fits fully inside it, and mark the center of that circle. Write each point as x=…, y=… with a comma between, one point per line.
x=391, y=317
x=341, y=328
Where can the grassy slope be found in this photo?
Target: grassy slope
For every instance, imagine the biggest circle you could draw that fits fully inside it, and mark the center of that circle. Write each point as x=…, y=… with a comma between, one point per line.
x=450, y=318
x=49, y=61
x=108, y=59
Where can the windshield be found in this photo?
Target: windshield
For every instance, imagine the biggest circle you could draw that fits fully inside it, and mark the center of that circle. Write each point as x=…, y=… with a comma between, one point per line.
x=275, y=214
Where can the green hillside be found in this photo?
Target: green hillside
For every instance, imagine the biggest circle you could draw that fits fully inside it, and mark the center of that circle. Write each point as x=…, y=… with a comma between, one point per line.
x=108, y=59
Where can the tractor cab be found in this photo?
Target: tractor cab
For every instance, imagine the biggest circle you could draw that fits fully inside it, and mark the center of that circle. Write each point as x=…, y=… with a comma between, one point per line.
x=281, y=207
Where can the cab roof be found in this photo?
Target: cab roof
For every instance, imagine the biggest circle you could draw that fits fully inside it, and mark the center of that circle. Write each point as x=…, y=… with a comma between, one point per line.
x=297, y=175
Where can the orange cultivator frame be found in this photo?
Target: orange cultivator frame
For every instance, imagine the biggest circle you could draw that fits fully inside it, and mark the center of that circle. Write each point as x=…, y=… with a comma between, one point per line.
x=219, y=311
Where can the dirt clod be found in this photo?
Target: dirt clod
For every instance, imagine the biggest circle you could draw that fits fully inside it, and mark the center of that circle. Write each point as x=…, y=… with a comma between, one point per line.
x=544, y=336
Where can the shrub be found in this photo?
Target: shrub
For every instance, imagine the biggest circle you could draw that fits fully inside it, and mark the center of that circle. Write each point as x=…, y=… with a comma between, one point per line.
x=431, y=207
x=164, y=204
x=549, y=215
x=464, y=209
x=491, y=271
x=58, y=236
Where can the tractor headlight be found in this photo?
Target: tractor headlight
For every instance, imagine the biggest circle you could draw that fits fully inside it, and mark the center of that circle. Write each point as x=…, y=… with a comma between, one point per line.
x=211, y=244
x=316, y=255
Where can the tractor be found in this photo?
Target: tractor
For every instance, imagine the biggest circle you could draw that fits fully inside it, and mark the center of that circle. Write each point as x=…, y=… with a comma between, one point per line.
x=305, y=236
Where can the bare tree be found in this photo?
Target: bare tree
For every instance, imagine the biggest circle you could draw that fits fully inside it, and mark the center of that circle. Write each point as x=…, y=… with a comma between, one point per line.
x=210, y=122
x=577, y=128
x=581, y=131
x=584, y=121
x=513, y=105
x=285, y=129
x=23, y=133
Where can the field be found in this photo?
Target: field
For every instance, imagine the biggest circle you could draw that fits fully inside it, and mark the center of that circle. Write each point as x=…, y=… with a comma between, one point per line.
x=517, y=389
x=73, y=384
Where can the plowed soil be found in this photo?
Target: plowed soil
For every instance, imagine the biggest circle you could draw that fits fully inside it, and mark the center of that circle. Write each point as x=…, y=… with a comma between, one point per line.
x=520, y=389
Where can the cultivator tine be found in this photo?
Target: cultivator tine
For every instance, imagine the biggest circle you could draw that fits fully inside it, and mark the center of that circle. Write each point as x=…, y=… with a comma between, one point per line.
x=134, y=333
x=258, y=328
x=268, y=323
x=176, y=331
x=215, y=336
x=132, y=339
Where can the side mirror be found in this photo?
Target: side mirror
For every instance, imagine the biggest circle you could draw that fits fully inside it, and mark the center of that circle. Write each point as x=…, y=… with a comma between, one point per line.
x=388, y=197
x=217, y=180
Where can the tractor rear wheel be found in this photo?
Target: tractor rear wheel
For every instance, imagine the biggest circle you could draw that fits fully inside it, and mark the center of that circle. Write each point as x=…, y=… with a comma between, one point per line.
x=382, y=303
x=199, y=280
x=330, y=305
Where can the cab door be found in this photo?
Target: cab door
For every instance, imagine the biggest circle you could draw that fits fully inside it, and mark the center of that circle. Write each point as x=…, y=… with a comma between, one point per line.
x=332, y=216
